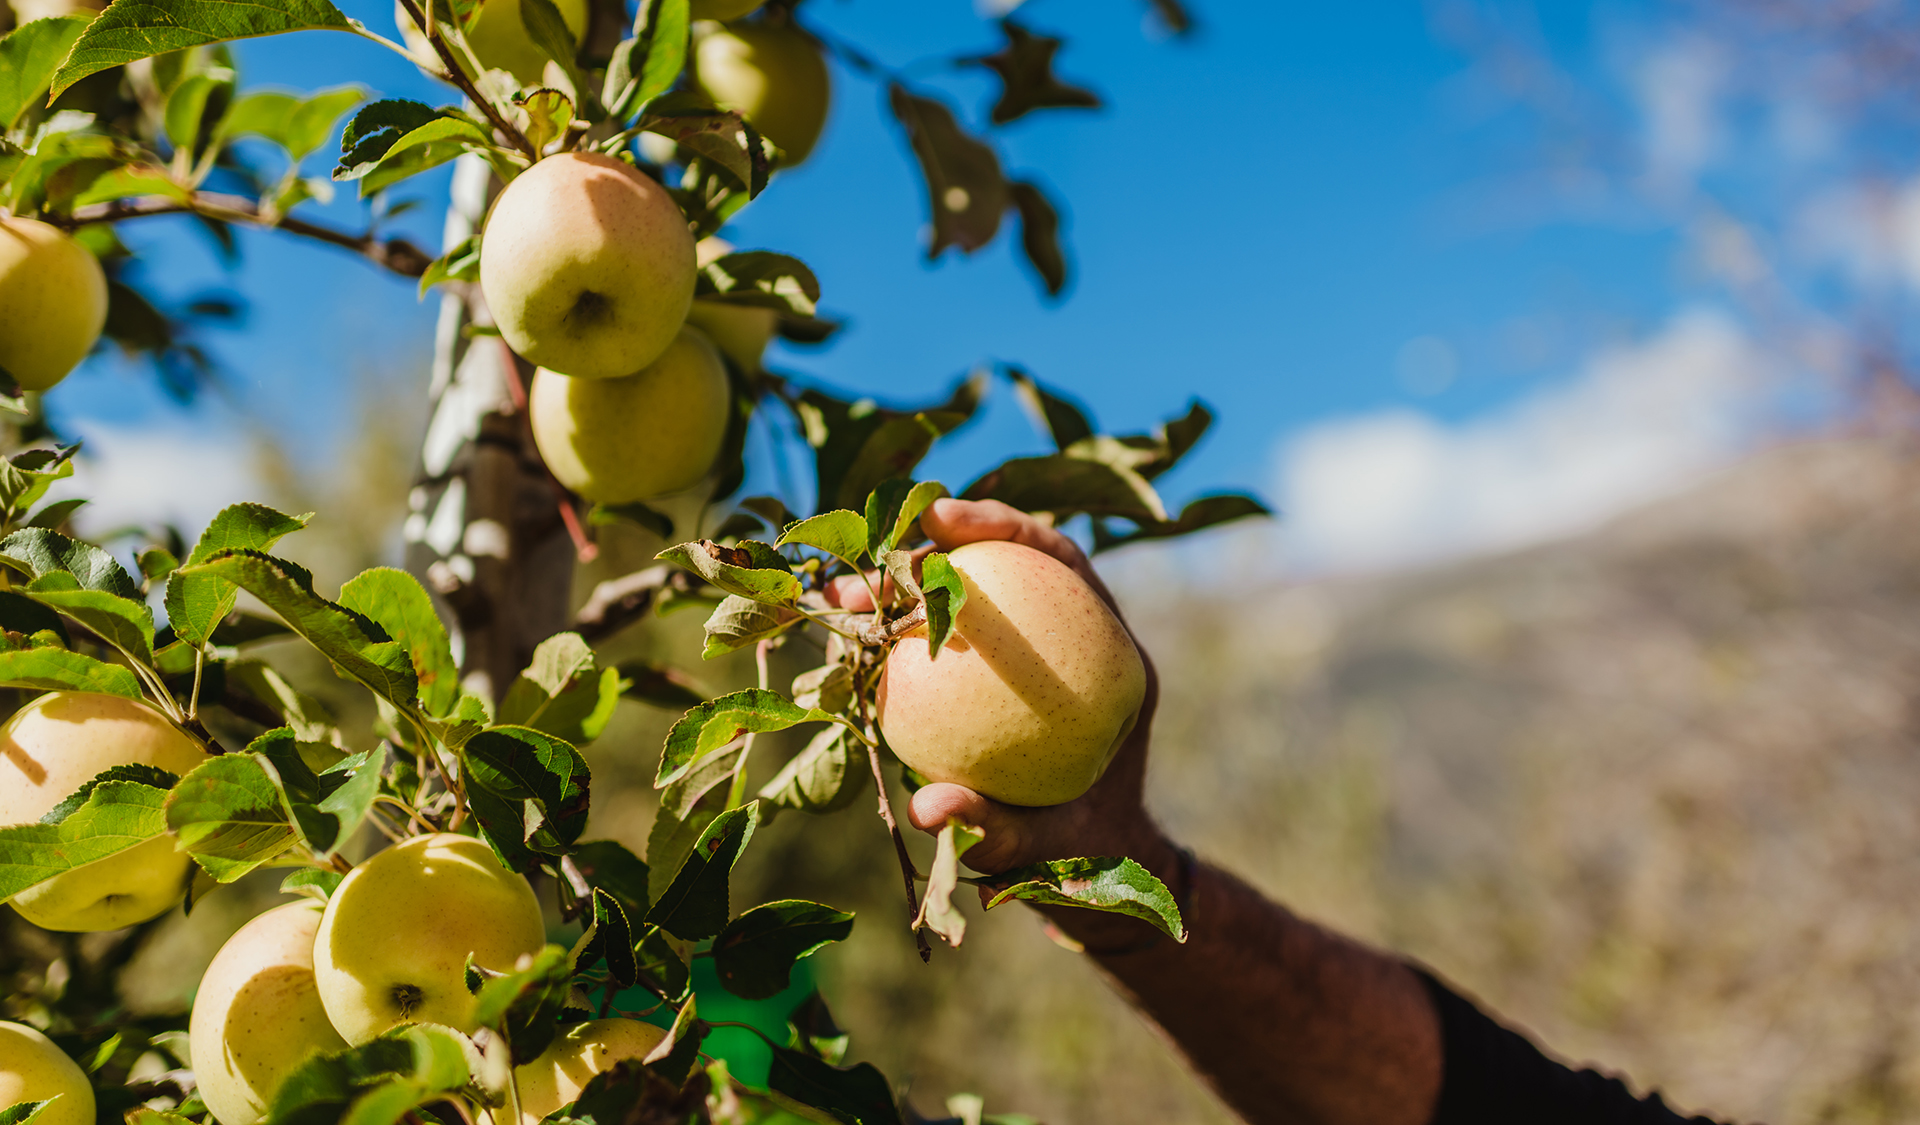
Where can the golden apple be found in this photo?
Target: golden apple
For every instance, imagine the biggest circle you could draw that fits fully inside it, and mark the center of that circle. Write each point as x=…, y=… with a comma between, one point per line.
x=53, y=302
x=587, y=266
x=649, y=434
x=32, y=1069
x=722, y=9
x=498, y=37
x=392, y=947
x=774, y=75
x=48, y=750
x=575, y=1056
x=1033, y=692
x=258, y=1015
x=741, y=332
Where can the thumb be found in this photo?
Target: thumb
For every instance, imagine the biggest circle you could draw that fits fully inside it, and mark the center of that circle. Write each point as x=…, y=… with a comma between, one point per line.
x=1005, y=842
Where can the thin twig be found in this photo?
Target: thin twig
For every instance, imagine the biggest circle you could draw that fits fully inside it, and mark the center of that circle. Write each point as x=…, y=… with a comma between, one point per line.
x=908, y=872
x=396, y=254
x=459, y=78
x=888, y=632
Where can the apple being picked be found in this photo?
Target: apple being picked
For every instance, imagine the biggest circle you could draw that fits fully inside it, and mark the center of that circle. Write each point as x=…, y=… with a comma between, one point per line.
x=393, y=945
x=53, y=302
x=52, y=747
x=32, y=1069
x=587, y=266
x=258, y=1014
x=1032, y=694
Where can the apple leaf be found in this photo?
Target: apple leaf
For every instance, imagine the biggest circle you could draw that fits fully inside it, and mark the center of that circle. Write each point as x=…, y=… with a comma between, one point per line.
x=673, y=1057
x=140, y=29
x=375, y=129
x=608, y=866
x=694, y=905
x=842, y=534
x=659, y=967
x=857, y=1095
x=124, y=623
x=647, y=65
x=230, y=816
x=611, y=940
x=713, y=724
x=397, y=601
x=857, y=445
x=314, y=882
x=459, y=263
x=26, y=476
x=37, y=551
x=524, y=1005
x=892, y=509
x=937, y=911
x=358, y=648
x=966, y=190
x=1040, y=235
x=761, y=279
x=429, y=146
x=29, y=55
x=1114, y=884
x=751, y=569
x=299, y=125
x=377, y=1083
x=528, y=790
x=196, y=605
x=825, y=777
x=738, y=622
x=21, y=1113
x=722, y=136
x=755, y=954
x=687, y=807
x=135, y=771
x=117, y=815
x=1066, y=485
x=325, y=807
x=1207, y=511
x=814, y=1031
x=548, y=30
x=1027, y=81
x=1062, y=419
x=943, y=593
x=563, y=691
x=56, y=669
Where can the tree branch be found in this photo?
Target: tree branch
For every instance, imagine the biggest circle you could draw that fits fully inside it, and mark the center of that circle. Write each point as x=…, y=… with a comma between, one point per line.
x=396, y=254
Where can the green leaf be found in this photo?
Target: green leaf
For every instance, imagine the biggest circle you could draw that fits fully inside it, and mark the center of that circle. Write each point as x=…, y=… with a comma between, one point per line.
x=118, y=815
x=892, y=509
x=152, y=776
x=29, y=55
x=187, y=106
x=230, y=816
x=140, y=29
x=695, y=903
x=858, y=1095
x=660, y=968
x=825, y=777
x=663, y=26
x=325, y=808
x=755, y=954
x=53, y=669
x=673, y=1058
x=937, y=911
x=374, y=1084
x=401, y=606
x=38, y=552
x=713, y=724
x=1207, y=511
x=549, y=112
x=721, y=136
x=376, y=128
x=1067, y=485
x=752, y=569
x=738, y=622
x=308, y=718
x=468, y=719
x=547, y=28
x=760, y=279
x=842, y=534
x=608, y=866
x=21, y=1113
x=687, y=807
x=21, y=614
x=943, y=592
x=124, y=623
x=197, y=605
x=461, y=263
x=1062, y=419
x=563, y=691
x=314, y=882
x=1113, y=884
x=429, y=146
x=814, y=1030
x=859, y=444
x=524, y=1005
x=966, y=191
x=26, y=476
x=341, y=635
x=299, y=125
x=1027, y=81
x=529, y=791
x=612, y=941
x=1040, y=235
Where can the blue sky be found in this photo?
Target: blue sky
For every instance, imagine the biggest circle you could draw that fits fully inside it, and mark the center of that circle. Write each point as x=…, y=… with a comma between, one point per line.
x=1264, y=216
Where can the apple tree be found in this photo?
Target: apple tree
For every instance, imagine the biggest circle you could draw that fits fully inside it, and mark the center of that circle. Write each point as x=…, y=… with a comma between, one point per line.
x=599, y=359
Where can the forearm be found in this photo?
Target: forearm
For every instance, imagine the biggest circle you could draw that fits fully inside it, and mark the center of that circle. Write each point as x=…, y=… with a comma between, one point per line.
x=1288, y=1021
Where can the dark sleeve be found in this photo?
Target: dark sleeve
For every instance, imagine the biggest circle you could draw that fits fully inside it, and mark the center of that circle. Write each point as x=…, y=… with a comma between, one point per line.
x=1495, y=1076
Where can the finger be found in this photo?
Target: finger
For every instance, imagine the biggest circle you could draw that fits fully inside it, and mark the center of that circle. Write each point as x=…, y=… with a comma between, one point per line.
x=955, y=523
x=1004, y=844
x=849, y=592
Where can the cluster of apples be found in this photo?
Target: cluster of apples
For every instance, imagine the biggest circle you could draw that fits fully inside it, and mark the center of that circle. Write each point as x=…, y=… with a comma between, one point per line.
x=588, y=269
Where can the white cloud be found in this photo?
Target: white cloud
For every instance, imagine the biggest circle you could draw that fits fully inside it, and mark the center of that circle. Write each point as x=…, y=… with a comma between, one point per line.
x=148, y=475
x=1400, y=487
x=1679, y=87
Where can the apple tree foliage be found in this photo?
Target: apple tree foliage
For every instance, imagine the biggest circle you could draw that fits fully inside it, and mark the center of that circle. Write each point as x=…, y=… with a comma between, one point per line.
x=137, y=112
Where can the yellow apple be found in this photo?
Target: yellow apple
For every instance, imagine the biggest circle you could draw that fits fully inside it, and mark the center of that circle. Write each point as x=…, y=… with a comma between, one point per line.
x=587, y=266
x=774, y=75
x=498, y=37
x=654, y=432
x=32, y=1069
x=741, y=332
x=49, y=749
x=1033, y=692
x=722, y=9
x=392, y=947
x=53, y=302
x=575, y=1056
x=258, y=1015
